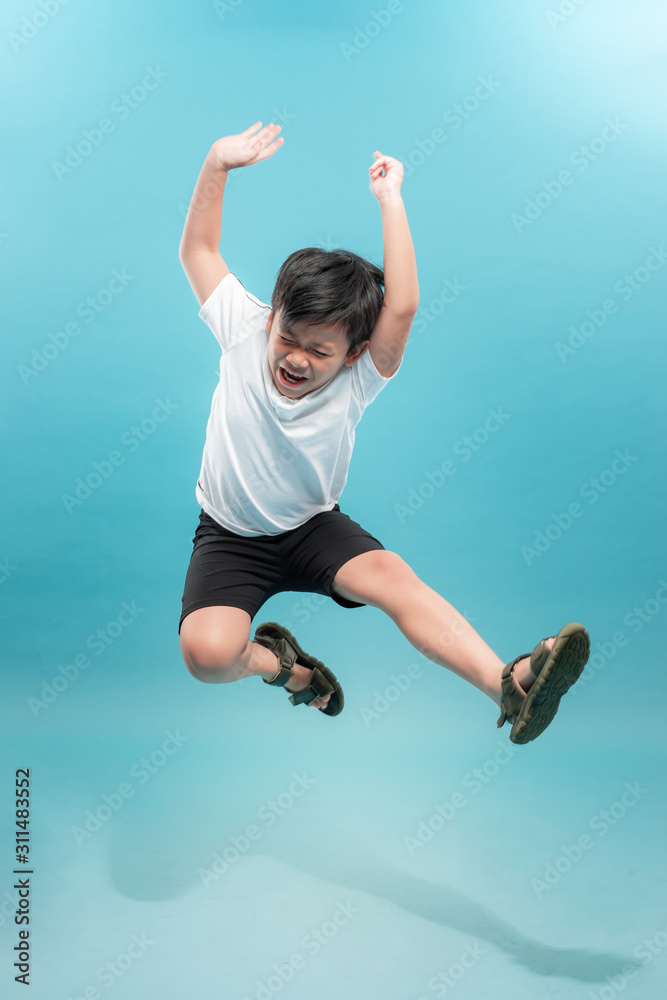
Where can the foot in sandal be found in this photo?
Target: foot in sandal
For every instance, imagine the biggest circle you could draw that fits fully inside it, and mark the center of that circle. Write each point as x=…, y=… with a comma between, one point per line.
x=310, y=682
x=533, y=684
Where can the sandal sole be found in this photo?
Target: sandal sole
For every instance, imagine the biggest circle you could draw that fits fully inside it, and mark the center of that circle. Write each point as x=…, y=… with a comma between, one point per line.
x=566, y=662
x=336, y=701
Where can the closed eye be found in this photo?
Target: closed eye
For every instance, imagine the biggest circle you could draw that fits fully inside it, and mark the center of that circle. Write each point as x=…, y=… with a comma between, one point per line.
x=319, y=353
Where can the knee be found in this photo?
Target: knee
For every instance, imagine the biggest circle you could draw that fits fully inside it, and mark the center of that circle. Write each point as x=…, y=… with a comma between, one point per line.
x=210, y=658
x=389, y=581
x=393, y=565
x=391, y=572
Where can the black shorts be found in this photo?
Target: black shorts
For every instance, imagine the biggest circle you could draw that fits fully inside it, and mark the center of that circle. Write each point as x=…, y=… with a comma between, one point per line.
x=243, y=572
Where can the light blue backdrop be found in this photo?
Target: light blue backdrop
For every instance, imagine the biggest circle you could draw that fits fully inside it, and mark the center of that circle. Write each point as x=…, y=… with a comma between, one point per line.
x=174, y=851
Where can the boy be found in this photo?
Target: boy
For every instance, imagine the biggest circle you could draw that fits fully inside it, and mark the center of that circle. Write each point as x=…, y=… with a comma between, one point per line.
x=295, y=378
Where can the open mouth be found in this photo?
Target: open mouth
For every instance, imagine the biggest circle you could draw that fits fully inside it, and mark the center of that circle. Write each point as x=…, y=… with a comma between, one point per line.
x=287, y=378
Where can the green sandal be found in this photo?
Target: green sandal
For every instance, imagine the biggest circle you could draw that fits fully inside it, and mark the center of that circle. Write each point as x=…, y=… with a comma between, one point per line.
x=555, y=670
x=287, y=649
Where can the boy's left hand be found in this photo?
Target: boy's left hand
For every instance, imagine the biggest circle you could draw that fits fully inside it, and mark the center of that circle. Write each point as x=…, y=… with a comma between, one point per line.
x=390, y=183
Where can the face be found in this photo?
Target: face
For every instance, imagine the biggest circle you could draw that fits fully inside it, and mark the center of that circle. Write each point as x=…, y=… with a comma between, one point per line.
x=312, y=354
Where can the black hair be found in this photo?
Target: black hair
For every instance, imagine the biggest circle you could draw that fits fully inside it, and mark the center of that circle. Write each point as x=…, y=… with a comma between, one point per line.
x=330, y=286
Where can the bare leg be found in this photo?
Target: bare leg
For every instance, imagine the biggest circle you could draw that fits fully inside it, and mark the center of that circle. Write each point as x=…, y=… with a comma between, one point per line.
x=216, y=649
x=433, y=626
x=442, y=634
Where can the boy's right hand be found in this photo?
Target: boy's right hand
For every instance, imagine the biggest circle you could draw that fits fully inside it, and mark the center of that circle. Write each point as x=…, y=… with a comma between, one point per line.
x=247, y=147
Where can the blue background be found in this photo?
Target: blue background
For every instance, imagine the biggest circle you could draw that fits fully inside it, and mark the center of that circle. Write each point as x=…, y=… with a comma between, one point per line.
x=343, y=80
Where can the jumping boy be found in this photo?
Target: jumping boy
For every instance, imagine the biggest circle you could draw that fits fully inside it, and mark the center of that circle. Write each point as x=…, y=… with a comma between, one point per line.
x=295, y=378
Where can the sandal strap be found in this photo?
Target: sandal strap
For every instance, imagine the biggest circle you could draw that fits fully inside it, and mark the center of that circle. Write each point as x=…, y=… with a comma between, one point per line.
x=321, y=683
x=539, y=656
x=319, y=687
x=512, y=696
x=286, y=657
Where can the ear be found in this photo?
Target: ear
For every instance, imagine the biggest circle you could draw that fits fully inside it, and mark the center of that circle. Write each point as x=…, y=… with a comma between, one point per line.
x=356, y=353
x=269, y=322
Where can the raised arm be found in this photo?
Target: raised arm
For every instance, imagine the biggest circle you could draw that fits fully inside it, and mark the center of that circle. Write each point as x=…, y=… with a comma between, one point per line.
x=199, y=250
x=401, y=287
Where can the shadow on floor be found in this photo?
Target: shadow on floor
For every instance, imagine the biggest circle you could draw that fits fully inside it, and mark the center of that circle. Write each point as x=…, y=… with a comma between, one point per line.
x=450, y=908
x=159, y=871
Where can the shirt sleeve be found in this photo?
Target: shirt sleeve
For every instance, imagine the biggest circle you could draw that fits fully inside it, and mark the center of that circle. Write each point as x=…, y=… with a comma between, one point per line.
x=232, y=313
x=366, y=379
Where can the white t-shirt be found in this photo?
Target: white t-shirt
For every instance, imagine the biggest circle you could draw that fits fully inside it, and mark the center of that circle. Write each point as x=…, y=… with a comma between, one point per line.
x=270, y=462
